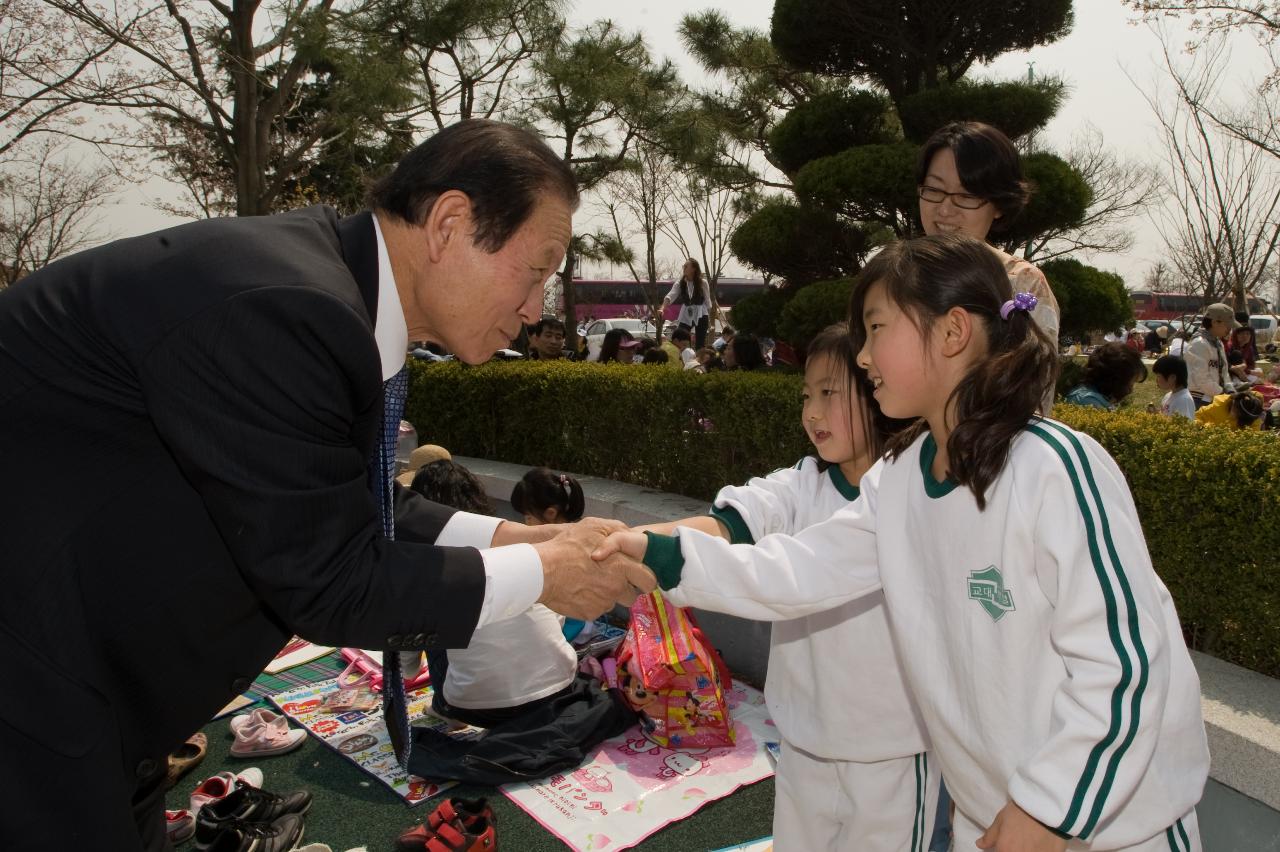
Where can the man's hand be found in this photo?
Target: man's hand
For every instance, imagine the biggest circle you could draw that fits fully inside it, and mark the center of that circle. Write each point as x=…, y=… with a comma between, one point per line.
x=1014, y=830
x=578, y=586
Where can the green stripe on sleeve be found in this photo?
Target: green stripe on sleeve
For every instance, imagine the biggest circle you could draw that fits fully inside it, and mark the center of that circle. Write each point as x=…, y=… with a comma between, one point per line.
x=739, y=532
x=663, y=556
x=1135, y=637
x=1113, y=631
x=916, y=829
x=1182, y=832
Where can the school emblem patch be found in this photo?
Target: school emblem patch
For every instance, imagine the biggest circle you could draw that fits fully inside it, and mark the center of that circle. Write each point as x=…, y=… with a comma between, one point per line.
x=987, y=588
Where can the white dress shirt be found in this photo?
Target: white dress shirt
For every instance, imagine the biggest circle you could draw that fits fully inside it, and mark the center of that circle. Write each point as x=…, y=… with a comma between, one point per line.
x=513, y=573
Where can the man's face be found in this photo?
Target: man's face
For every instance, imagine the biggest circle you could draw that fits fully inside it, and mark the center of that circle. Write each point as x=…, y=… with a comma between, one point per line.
x=550, y=343
x=476, y=301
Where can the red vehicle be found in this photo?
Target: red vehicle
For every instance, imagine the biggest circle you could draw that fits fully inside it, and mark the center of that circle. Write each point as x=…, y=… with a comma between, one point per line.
x=1170, y=306
x=1163, y=306
x=608, y=299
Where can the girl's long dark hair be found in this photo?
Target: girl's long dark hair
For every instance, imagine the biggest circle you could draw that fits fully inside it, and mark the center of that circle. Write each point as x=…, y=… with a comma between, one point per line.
x=836, y=342
x=928, y=276
x=541, y=488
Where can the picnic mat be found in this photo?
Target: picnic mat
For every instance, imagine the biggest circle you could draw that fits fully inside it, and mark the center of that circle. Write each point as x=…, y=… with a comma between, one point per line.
x=764, y=844
x=361, y=737
x=632, y=787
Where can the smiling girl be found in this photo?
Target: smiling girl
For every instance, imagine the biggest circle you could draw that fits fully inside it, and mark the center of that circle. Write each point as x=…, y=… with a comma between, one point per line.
x=853, y=773
x=1044, y=653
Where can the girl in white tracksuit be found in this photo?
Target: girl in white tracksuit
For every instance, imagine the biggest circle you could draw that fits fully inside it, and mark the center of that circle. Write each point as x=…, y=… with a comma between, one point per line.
x=1043, y=651
x=853, y=773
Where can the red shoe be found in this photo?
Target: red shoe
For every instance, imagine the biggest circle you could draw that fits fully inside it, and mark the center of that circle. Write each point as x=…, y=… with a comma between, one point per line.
x=455, y=837
x=466, y=812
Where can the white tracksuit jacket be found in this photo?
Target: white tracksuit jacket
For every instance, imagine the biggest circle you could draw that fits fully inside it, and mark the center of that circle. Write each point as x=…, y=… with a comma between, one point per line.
x=835, y=688
x=1042, y=649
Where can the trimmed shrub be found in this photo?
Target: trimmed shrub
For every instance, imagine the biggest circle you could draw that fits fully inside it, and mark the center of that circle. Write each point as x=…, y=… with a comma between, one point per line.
x=814, y=308
x=672, y=430
x=1207, y=497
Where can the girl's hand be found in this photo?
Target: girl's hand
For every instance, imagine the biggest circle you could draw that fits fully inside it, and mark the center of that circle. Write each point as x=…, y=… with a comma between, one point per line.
x=1015, y=831
x=627, y=542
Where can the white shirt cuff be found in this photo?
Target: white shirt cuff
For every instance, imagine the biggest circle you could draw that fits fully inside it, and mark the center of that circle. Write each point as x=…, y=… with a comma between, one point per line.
x=467, y=530
x=513, y=581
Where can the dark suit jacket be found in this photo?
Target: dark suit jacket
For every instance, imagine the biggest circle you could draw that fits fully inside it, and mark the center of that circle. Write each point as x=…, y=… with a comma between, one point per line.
x=186, y=423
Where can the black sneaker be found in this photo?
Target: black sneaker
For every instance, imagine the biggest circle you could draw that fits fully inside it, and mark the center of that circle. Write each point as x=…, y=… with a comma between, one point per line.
x=283, y=834
x=247, y=805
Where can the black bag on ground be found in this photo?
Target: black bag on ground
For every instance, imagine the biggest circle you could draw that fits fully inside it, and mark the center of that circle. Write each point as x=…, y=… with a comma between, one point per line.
x=552, y=737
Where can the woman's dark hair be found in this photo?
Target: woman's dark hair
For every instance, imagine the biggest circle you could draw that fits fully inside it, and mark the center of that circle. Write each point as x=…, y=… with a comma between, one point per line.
x=928, y=276
x=1171, y=365
x=747, y=354
x=502, y=168
x=448, y=483
x=541, y=489
x=610, y=345
x=697, y=271
x=987, y=163
x=836, y=342
x=1112, y=368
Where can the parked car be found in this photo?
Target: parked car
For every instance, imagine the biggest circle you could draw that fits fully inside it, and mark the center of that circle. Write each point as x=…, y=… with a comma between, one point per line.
x=1264, y=328
x=637, y=327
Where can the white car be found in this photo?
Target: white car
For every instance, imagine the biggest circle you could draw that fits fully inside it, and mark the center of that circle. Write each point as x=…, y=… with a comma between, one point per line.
x=637, y=327
x=1264, y=329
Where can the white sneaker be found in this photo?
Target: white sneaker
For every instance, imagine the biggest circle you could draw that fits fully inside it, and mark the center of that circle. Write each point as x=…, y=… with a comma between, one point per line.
x=220, y=785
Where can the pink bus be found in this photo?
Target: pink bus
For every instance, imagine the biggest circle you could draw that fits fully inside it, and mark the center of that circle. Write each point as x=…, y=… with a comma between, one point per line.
x=608, y=299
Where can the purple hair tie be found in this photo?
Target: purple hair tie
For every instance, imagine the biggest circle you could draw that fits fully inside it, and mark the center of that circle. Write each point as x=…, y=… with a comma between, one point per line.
x=1019, y=302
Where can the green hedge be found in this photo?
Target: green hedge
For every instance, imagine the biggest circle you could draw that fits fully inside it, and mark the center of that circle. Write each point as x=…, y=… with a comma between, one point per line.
x=637, y=424
x=1207, y=498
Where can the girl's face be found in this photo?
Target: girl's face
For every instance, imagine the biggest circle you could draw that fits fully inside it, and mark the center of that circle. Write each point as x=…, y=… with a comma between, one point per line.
x=688, y=271
x=1219, y=328
x=828, y=414
x=896, y=358
x=946, y=217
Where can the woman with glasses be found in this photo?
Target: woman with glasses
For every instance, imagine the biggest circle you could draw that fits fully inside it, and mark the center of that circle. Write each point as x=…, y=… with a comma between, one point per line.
x=969, y=181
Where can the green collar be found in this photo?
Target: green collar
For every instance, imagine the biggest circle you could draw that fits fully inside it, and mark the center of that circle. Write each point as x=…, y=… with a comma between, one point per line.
x=933, y=487
x=847, y=489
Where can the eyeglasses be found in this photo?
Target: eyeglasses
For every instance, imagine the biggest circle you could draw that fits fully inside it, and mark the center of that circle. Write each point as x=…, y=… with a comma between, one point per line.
x=963, y=200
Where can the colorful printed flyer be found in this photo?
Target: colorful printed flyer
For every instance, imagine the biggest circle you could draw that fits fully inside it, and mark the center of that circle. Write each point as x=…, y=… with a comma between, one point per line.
x=362, y=738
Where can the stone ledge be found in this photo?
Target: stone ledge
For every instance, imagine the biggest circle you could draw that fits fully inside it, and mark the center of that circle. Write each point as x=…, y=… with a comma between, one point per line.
x=1241, y=707
x=1242, y=718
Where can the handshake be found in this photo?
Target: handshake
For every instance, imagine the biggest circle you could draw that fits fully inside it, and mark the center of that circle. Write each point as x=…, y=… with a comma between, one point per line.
x=589, y=566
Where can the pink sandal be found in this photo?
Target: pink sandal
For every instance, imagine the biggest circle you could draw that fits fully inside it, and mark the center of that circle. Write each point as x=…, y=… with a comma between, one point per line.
x=262, y=739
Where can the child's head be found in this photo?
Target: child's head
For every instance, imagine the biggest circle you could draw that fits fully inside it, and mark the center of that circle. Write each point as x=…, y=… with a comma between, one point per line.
x=705, y=354
x=838, y=415
x=682, y=338
x=942, y=336
x=1218, y=320
x=446, y=482
x=655, y=356
x=1171, y=372
x=546, y=497
x=1246, y=408
x=1113, y=369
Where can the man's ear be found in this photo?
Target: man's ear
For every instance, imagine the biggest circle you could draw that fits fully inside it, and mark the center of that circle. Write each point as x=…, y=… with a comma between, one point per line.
x=956, y=331
x=448, y=222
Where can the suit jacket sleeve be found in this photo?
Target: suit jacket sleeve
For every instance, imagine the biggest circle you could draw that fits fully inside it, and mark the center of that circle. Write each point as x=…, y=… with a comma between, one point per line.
x=260, y=399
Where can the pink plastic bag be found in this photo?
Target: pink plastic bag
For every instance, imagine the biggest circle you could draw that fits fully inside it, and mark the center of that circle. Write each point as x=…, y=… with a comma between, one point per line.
x=672, y=675
x=364, y=668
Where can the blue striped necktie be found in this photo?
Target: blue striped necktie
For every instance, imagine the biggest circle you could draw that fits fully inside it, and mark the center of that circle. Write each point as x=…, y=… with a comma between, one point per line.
x=394, y=393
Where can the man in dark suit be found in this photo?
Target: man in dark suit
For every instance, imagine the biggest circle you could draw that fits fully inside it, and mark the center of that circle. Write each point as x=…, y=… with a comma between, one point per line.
x=227, y=378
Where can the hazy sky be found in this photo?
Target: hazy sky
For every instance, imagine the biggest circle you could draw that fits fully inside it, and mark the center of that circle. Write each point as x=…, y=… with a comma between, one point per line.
x=1092, y=59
